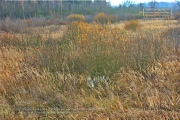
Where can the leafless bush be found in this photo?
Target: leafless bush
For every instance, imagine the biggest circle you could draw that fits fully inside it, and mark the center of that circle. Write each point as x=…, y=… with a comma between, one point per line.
x=8, y=25
x=38, y=22
x=42, y=22
x=177, y=15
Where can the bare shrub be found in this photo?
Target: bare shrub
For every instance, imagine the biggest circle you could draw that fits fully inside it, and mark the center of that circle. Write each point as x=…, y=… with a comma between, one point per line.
x=8, y=25
x=26, y=21
x=3, y=26
x=177, y=16
x=38, y=22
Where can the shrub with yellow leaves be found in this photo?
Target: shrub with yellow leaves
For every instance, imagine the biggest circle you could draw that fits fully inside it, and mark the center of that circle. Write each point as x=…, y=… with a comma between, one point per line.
x=76, y=17
x=113, y=18
x=102, y=18
x=132, y=25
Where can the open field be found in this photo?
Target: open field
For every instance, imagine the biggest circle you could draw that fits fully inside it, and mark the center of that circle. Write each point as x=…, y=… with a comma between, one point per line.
x=90, y=71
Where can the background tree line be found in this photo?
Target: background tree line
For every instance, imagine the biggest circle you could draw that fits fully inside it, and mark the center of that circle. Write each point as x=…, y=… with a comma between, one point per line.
x=29, y=9
x=63, y=8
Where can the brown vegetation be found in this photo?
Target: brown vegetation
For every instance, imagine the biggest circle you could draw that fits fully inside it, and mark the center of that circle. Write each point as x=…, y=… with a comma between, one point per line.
x=101, y=18
x=92, y=71
x=132, y=25
x=75, y=17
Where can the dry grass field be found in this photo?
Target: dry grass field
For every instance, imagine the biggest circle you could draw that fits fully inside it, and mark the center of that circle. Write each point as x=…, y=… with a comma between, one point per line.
x=88, y=71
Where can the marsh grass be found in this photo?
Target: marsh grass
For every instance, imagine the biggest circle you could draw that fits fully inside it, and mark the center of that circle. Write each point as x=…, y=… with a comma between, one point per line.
x=101, y=50
x=135, y=74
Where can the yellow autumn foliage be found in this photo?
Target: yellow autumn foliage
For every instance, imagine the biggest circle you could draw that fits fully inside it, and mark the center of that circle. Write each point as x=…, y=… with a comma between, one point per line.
x=76, y=17
x=132, y=25
x=102, y=18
